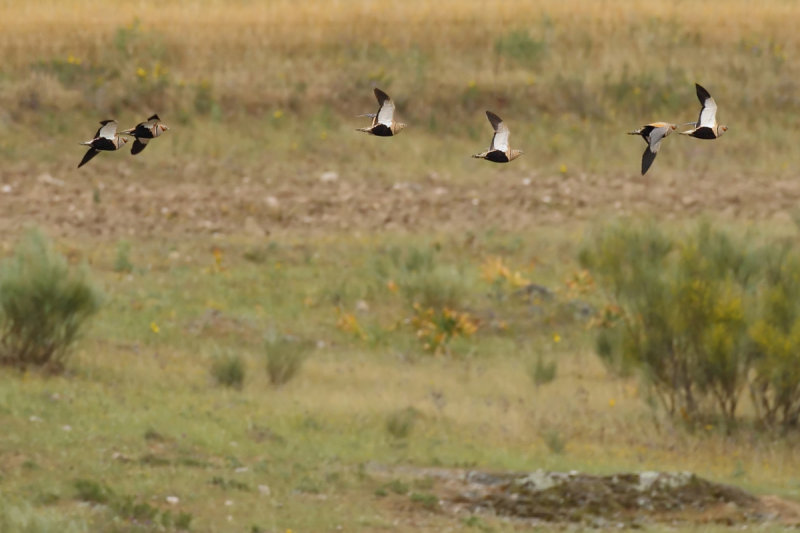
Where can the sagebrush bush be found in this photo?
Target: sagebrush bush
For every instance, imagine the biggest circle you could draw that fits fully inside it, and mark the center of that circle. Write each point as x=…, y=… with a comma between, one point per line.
x=285, y=357
x=703, y=316
x=43, y=305
x=228, y=370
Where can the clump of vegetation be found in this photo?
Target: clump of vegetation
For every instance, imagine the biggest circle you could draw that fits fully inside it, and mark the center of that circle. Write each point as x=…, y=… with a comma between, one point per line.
x=228, y=370
x=519, y=46
x=285, y=357
x=44, y=305
x=24, y=517
x=703, y=317
x=542, y=372
x=91, y=491
x=122, y=262
x=437, y=327
x=400, y=423
x=425, y=500
x=129, y=507
x=554, y=441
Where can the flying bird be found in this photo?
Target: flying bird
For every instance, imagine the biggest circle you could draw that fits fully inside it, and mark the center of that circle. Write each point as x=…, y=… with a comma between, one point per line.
x=706, y=126
x=106, y=139
x=383, y=123
x=144, y=131
x=652, y=134
x=499, y=152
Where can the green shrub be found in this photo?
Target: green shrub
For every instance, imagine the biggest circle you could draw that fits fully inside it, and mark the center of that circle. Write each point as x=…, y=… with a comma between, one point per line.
x=122, y=262
x=228, y=370
x=542, y=372
x=520, y=46
x=91, y=491
x=421, y=277
x=285, y=357
x=775, y=388
x=43, y=305
x=555, y=441
x=400, y=423
x=702, y=316
x=425, y=500
x=21, y=517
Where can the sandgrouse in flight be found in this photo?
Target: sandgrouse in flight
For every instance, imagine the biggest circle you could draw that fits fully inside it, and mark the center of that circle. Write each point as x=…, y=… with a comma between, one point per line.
x=383, y=123
x=652, y=134
x=706, y=126
x=499, y=151
x=106, y=139
x=144, y=131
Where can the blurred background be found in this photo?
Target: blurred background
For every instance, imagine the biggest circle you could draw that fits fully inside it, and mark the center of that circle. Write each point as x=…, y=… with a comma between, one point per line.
x=268, y=321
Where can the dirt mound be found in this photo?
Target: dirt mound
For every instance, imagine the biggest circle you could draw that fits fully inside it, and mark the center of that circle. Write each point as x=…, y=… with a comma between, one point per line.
x=619, y=500
x=622, y=499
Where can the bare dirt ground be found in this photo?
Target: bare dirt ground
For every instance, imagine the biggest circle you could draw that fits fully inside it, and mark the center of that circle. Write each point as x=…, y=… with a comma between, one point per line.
x=180, y=202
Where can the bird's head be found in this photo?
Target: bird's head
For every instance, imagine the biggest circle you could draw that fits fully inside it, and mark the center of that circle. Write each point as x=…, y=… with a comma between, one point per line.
x=162, y=127
x=397, y=127
x=721, y=129
x=513, y=154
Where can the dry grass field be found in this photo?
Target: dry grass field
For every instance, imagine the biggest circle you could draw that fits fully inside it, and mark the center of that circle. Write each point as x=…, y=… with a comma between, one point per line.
x=261, y=213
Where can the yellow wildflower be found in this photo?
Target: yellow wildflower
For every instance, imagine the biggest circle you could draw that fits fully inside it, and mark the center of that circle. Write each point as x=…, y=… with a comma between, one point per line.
x=154, y=327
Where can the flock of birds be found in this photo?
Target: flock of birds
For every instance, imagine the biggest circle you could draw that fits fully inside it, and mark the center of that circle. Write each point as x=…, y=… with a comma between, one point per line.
x=383, y=124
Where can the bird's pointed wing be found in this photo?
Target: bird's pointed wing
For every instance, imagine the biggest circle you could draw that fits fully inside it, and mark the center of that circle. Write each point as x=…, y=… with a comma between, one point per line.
x=385, y=113
x=708, y=113
x=88, y=156
x=647, y=159
x=656, y=136
x=501, y=133
x=108, y=130
x=139, y=144
x=153, y=117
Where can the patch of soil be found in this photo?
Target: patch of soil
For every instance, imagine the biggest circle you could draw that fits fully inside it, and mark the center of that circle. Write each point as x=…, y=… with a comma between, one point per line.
x=620, y=500
x=181, y=201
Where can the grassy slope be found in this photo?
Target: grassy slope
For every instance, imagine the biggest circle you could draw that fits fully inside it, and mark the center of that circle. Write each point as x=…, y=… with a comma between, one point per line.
x=271, y=90
x=145, y=418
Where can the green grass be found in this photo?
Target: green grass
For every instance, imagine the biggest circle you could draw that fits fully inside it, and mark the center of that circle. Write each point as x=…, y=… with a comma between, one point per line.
x=138, y=418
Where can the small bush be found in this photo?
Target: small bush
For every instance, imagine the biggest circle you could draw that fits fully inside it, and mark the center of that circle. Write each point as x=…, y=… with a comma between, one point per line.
x=228, y=370
x=555, y=441
x=285, y=357
x=91, y=491
x=542, y=372
x=400, y=423
x=43, y=306
x=122, y=262
x=425, y=500
x=703, y=316
x=520, y=46
x=21, y=517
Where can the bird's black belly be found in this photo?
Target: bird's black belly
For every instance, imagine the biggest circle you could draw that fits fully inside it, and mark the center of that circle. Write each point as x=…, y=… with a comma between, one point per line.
x=143, y=132
x=497, y=156
x=704, y=133
x=382, y=130
x=104, y=144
